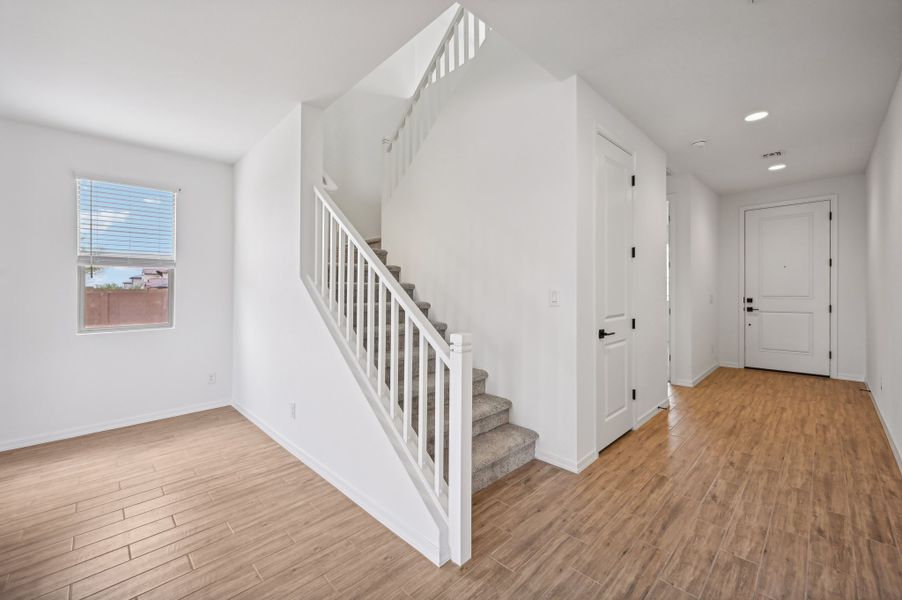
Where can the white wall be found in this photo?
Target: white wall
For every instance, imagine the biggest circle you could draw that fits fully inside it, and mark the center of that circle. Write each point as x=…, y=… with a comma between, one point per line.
x=497, y=210
x=851, y=266
x=649, y=304
x=56, y=383
x=284, y=352
x=355, y=124
x=483, y=224
x=694, y=210
x=884, y=280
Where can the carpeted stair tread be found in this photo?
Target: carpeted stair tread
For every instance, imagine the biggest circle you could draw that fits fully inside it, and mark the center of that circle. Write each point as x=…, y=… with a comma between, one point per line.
x=494, y=445
x=489, y=411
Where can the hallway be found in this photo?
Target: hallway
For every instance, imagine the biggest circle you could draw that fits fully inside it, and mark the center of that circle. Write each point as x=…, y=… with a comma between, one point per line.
x=754, y=482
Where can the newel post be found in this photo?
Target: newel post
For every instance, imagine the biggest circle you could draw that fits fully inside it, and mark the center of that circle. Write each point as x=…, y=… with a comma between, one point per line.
x=460, y=448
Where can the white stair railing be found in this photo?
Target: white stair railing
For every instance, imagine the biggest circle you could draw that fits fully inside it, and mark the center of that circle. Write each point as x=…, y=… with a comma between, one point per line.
x=365, y=303
x=462, y=40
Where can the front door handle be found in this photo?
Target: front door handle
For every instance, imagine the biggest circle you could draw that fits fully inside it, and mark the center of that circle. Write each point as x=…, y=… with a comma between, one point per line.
x=603, y=334
x=750, y=309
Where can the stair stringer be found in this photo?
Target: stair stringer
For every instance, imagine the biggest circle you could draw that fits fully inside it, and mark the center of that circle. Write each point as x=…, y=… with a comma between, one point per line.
x=404, y=451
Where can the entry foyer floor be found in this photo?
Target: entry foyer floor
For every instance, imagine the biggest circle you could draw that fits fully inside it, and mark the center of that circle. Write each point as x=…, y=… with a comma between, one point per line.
x=754, y=485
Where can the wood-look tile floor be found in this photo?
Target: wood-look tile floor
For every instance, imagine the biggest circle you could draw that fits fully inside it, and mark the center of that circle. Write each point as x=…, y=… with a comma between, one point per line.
x=754, y=485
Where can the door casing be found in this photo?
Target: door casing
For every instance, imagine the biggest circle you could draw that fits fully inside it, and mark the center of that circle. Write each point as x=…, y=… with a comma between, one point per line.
x=739, y=299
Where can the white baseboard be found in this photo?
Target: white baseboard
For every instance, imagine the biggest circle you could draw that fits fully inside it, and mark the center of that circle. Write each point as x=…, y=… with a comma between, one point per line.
x=700, y=378
x=644, y=418
x=427, y=547
x=65, y=434
x=558, y=461
x=850, y=377
x=586, y=460
x=729, y=364
x=886, y=431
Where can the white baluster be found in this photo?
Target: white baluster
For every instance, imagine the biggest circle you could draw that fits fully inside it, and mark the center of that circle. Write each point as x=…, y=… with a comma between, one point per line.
x=332, y=273
x=408, y=372
x=370, y=325
x=341, y=276
x=422, y=402
x=380, y=385
x=359, y=325
x=460, y=34
x=439, y=406
x=349, y=316
x=466, y=38
x=393, y=384
x=460, y=442
x=317, y=241
x=452, y=53
x=324, y=251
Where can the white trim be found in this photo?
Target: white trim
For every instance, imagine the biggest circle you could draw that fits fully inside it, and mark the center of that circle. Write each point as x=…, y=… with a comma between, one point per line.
x=851, y=377
x=886, y=431
x=558, y=461
x=647, y=416
x=428, y=548
x=66, y=434
x=729, y=364
x=587, y=460
x=834, y=269
x=700, y=378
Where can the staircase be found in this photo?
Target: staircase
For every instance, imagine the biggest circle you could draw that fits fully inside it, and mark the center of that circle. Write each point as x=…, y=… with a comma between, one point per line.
x=499, y=446
x=452, y=436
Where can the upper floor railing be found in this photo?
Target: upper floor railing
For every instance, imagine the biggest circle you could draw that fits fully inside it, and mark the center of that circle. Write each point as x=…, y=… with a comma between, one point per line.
x=462, y=40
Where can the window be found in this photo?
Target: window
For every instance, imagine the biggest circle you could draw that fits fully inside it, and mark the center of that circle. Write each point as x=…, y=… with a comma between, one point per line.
x=126, y=256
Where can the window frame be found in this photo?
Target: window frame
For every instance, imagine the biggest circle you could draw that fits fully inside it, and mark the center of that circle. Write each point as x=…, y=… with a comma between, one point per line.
x=124, y=261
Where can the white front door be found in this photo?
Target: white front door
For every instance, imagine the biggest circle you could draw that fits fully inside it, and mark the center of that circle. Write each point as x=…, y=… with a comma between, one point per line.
x=613, y=241
x=787, y=288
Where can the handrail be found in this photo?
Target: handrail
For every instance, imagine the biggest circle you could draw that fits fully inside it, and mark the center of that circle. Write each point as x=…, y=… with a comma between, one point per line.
x=449, y=33
x=394, y=286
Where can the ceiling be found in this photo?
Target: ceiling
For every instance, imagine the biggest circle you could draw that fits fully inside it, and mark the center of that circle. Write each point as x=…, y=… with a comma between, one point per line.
x=211, y=77
x=689, y=69
x=203, y=77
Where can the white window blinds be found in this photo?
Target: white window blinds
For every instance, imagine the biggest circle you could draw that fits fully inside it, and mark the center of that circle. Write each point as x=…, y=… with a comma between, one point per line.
x=125, y=224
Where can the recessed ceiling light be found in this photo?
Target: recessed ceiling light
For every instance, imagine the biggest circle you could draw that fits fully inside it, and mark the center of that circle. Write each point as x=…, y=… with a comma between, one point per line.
x=776, y=167
x=756, y=116
x=698, y=143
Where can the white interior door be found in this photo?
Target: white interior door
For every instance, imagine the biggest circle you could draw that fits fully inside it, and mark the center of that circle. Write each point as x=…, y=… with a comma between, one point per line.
x=613, y=244
x=787, y=288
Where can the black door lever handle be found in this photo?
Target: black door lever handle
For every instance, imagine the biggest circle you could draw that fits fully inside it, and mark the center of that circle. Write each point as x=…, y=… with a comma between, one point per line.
x=602, y=334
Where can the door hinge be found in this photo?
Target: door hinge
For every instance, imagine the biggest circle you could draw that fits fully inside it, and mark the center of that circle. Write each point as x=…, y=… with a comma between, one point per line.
x=831, y=215
x=830, y=354
x=634, y=393
x=634, y=323
x=634, y=181
x=830, y=262
x=830, y=308
x=633, y=252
